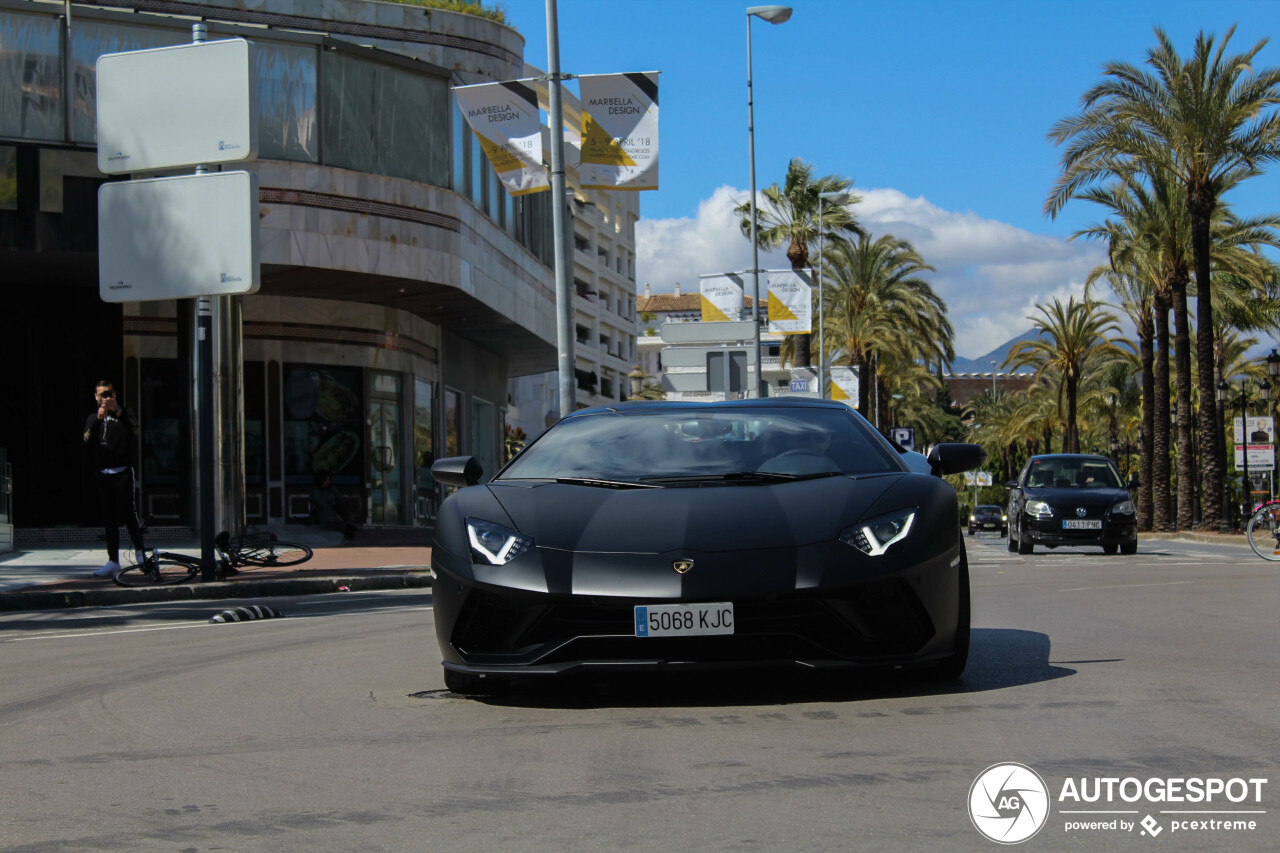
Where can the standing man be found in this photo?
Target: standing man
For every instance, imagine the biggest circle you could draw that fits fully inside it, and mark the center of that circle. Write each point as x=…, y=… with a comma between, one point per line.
x=111, y=433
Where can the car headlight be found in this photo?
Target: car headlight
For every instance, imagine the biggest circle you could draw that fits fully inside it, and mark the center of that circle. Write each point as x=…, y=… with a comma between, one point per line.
x=1039, y=509
x=972, y=519
x=494, y=544
x=874, y=537
x=1004, y=517
x=1124, y=507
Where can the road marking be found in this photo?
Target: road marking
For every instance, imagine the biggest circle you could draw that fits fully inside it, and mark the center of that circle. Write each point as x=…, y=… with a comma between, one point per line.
x=1125, y=586
x=202, y=622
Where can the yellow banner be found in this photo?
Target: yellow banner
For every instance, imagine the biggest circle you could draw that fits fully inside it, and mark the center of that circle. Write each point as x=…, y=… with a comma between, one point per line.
x=505, y=120
x=721, y=298
x=619, y=131
x=790, y=303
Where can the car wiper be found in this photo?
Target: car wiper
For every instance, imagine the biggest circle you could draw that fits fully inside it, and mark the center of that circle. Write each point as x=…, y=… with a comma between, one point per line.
x=605, y=484
x=742, y=475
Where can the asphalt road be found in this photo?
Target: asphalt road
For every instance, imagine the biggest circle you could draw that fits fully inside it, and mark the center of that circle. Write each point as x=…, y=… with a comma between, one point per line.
x=148, y=728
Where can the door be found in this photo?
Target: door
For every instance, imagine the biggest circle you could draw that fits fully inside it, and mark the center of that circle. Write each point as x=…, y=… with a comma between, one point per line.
x=385, y=462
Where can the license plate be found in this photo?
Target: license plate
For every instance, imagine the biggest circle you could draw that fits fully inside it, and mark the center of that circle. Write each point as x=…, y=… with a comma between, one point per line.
x=684, y=620
x=1086, y=524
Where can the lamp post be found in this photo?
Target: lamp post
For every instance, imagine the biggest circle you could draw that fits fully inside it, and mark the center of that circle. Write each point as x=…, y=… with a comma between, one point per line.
x=993, y=381
x=1240, y=403
x=774, y=15
x=840, y=197
x=1273, y=370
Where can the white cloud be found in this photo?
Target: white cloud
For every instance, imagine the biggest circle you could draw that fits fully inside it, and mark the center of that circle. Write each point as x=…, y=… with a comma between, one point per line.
x=990, y=274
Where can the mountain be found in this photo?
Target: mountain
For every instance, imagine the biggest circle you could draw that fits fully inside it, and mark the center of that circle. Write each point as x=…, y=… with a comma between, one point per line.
x=982, y=364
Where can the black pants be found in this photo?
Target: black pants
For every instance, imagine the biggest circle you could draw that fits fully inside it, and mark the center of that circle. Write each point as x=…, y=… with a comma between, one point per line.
x=115, y=496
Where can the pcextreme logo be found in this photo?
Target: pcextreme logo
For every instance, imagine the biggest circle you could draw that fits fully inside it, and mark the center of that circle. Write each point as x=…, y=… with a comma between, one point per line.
x=1008, y=803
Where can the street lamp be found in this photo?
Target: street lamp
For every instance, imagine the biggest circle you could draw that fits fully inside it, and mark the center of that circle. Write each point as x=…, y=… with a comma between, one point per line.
x=1240, y=403
x=1273, y=370
x=774, y=15
x=840, y=197
x=993, y=381
x=636, y=378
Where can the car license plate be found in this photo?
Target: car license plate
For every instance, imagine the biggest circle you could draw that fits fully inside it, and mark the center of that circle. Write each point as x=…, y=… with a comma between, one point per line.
x=684, y=620
x=1086, y=524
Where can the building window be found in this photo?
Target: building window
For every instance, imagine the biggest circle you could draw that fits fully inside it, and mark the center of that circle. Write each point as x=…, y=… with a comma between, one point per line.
x=452, y=422
x=31, y=77
x=384, y=120
x=323, y=423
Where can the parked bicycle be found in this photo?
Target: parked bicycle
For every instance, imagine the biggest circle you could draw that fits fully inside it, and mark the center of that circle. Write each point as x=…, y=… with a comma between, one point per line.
x=1263, y=531
x=260, y=549
x=263, y=549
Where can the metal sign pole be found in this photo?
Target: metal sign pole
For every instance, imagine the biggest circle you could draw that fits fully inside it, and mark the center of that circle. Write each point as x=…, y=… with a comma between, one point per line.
x=564, y=295
x=205, y=422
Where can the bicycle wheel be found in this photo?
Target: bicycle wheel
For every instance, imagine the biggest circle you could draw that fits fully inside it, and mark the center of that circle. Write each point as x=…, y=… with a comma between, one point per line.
x=273, y=554
x=159, y=571
x=1263, y=531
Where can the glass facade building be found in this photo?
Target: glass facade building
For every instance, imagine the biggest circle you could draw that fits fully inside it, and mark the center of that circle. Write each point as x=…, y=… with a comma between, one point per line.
x=403, y=288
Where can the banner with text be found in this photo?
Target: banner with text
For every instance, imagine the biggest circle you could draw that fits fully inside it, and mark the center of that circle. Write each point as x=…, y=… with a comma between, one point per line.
x=844, y=386
x=1261, y=444
x=619, y=131
x=790, y=302
x=721, y=297
x=504, y=117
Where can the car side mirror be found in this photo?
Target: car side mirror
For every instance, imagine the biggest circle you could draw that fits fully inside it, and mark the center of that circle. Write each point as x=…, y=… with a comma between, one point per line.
x=956, y=458
x=1011, y=485
x=457, y=471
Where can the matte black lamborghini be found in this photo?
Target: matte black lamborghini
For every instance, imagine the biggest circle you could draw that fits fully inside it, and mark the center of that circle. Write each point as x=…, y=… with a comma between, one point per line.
x=670, y=535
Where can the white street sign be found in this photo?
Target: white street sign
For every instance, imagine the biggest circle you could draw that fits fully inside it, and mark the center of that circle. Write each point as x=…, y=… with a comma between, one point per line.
x=170, y=107
x=171, y=238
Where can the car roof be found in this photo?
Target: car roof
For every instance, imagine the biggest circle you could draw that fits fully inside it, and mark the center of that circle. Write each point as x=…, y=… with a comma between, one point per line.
x=1044, y=456
x=688, y=405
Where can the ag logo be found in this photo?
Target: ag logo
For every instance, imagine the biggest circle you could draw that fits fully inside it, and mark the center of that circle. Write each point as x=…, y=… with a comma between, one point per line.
x=1008, y=803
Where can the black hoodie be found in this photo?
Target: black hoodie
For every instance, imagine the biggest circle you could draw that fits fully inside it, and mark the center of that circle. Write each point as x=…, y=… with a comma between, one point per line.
x=112, y=438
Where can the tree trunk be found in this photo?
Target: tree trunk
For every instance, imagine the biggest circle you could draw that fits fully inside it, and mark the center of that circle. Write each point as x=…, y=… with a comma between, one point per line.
x=1071, y=438
x=1182, y=373
x=1160, y=468
x=1145, y=477
x=1200, y=204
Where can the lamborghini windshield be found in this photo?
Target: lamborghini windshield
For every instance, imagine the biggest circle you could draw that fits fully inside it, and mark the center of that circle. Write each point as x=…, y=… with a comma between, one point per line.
x=739, y=444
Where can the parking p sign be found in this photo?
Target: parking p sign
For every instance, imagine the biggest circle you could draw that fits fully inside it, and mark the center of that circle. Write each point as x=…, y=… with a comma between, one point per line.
x=906, y=436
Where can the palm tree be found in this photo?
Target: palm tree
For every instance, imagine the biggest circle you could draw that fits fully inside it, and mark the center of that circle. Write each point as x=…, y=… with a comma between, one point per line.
x=880, y=307
x=793, y=215
x=1148, y=271
x=1070, y=336
x=1206, y=121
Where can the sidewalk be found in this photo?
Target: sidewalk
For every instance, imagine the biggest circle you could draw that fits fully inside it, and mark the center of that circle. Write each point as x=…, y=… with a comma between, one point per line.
x=39, y=577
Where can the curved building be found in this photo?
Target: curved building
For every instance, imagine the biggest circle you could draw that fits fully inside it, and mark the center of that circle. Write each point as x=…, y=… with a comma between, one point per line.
x=403, y=291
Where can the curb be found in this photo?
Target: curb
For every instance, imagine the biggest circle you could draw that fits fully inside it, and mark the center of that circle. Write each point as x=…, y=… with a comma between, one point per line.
x=13, y=601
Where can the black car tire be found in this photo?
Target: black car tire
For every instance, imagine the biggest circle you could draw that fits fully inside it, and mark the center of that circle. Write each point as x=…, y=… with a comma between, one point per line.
x=1108, y=549
x=1013, y=543
x=952, y=666
x=466, y=684
x=1025, y=546
x=970, y=531
x=1128, y=548
x=1004, y=532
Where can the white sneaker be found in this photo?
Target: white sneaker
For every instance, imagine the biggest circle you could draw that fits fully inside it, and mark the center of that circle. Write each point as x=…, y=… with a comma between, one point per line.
x=108, y=570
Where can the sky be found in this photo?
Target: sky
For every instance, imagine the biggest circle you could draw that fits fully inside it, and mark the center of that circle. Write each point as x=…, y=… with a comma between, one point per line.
x=938, y=110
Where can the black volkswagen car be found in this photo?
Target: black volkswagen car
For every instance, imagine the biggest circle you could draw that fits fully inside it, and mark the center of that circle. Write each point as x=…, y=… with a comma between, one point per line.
x=666, y=535
x=988, y=517
x=1071, y=499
